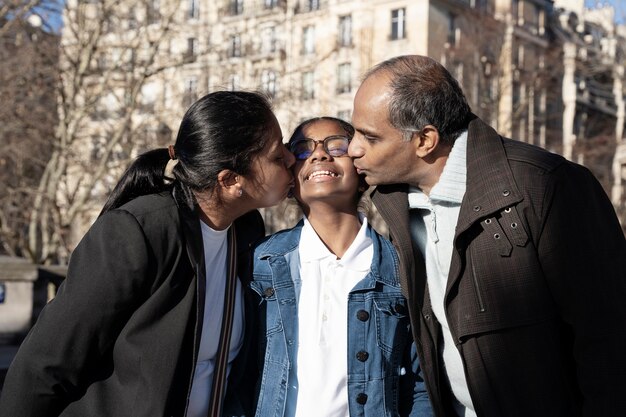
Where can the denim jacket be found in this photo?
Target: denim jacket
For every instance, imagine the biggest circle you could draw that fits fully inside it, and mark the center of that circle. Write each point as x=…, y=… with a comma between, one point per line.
x=384, y=382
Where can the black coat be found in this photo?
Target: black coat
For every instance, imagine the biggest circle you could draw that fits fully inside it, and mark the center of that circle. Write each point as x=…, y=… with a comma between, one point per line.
x=536, y=293
x=122, y=334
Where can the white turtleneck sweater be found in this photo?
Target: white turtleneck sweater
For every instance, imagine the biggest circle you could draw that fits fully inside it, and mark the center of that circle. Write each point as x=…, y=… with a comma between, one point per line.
x=433, y=231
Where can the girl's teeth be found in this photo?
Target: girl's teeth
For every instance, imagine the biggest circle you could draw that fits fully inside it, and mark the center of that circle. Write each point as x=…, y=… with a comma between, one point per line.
x=320, y=173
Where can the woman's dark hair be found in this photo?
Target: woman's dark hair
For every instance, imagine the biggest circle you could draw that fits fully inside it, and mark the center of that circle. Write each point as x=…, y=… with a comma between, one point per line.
x=222, y=130
x=424, y=93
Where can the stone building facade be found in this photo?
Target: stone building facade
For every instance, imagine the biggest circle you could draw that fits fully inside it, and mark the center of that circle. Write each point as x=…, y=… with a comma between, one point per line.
x=512, y=57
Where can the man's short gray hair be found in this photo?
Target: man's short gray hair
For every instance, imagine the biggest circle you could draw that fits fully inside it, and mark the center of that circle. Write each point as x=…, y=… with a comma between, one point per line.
x=424, y=93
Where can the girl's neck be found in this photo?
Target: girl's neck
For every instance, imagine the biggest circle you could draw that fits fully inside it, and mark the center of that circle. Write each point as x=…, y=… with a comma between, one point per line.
x=337, y=229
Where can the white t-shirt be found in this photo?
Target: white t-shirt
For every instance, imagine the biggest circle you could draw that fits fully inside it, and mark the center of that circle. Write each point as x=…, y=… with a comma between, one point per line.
x=216, y=258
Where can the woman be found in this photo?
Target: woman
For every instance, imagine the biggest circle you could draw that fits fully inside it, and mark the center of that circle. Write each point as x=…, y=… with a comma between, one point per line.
x=334, y=332
x=138, y=328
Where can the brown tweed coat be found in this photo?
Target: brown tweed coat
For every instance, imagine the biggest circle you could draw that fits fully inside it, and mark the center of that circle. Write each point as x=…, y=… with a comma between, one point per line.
x=536, y=294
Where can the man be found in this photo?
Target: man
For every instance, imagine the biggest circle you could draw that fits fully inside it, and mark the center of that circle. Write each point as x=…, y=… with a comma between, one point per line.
x=512, y=258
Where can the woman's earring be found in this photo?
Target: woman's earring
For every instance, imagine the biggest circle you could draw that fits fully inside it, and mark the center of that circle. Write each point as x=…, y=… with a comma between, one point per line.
x=240, y=192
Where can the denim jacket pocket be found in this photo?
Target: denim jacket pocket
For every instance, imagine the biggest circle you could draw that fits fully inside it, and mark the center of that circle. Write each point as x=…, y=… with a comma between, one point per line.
x=392, y=323
x=268, y=305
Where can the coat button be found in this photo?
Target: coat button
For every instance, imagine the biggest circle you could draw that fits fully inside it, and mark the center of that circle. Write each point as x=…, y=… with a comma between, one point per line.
x=506, y=193
x=400, y=308
x=361, y=398
x=476, y=208
x=362, y=315
x=268, y=292
x=362, y=355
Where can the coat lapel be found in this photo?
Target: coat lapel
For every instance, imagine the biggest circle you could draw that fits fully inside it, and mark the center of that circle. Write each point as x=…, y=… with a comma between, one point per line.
x=490, y=186
x=391, y=201
x=195, y=251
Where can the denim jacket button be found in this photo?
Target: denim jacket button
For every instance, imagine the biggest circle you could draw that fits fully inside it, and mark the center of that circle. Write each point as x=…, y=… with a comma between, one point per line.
x=400, y=308
x=361, y=398
x=362, y=315
x=362, y=355
x=268, y=292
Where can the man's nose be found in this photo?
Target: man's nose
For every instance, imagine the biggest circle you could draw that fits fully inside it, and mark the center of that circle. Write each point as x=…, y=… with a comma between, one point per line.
x=355, y=150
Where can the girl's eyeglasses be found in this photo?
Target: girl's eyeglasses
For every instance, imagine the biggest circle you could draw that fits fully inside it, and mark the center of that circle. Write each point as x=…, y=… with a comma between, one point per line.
x=335, y=146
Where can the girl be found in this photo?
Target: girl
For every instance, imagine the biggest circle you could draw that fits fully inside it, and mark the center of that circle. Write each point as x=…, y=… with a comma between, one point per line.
x=334, y=334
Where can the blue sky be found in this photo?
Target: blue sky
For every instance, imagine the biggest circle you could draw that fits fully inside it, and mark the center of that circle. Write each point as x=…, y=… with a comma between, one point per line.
x=619, y=5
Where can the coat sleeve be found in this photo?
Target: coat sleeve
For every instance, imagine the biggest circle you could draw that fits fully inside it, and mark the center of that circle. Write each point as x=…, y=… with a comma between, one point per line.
x=70, y=345
x=583, y=254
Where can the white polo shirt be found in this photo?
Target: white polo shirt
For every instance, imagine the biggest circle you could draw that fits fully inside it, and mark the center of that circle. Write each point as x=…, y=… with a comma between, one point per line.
x=322, y=360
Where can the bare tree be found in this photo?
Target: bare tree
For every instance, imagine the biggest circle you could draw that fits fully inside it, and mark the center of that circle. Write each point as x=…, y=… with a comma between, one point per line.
x=504, y=68
x=109, y=51
x=14, y=12
x=28, y=79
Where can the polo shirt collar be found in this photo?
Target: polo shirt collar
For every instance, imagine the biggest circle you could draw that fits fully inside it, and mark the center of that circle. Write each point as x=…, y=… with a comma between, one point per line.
x=312, y=248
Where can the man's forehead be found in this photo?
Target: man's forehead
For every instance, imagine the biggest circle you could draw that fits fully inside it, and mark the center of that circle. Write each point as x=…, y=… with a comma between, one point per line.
x=374, y=91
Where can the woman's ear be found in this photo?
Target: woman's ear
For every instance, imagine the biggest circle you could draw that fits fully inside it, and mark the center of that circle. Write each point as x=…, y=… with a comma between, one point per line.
x=229, y=184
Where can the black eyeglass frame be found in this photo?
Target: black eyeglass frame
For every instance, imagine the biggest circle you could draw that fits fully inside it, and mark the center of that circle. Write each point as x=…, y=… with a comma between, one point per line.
x=343, y=151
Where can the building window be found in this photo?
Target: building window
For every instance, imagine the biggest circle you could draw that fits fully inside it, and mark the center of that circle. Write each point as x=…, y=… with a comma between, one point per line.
x=344, y=78
x=518, y=57
x=190, y=93
x=398, y=30
x=308, y=85
x=236, y=7
x=153, y=11
x=517, y=11
x=541, y=17
x=268, y=40
x=452, y=30
x=97, y=146
x=344, y=115
x=234, y=82
x=194, y=10
x=269, y=82
x=345, y=30
x=102, y=62
x=479, y=4
x=313, y=5
x=270, y=4
x=132, y=18
x=234, y=46
x=308, y=40
x=192, y=48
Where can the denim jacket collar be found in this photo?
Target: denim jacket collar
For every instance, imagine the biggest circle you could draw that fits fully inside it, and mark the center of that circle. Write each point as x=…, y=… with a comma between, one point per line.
x=384, y=266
